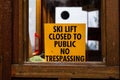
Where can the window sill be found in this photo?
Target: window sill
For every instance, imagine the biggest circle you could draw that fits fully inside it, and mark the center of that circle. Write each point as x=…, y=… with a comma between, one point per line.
x=70, y=70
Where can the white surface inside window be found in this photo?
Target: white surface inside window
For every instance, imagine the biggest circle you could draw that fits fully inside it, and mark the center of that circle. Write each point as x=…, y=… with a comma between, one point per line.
x=32, y=21
x=93, y=19
x=93, y=45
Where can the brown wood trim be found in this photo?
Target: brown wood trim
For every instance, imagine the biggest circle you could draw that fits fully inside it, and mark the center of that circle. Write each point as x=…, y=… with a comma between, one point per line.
x=19, y=78
x=25, y=30
x=20, y=28
x=62, y=71
x=15, y=16
x=103, y=29
x=112, y=32
x=6, y=41
x=0, y=71
x=1, y=9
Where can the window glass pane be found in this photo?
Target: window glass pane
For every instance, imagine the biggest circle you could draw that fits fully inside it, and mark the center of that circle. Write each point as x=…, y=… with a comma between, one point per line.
x=63, y=12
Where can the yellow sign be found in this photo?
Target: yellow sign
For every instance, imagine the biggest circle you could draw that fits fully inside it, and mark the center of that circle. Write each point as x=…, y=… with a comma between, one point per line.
x=65, y=42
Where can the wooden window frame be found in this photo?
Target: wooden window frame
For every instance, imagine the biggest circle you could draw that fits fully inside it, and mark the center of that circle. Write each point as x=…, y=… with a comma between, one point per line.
x=109, y=68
